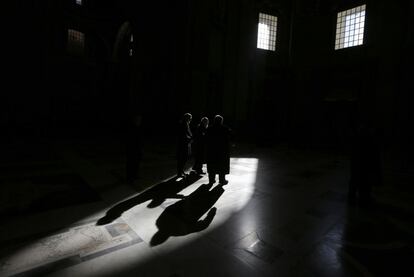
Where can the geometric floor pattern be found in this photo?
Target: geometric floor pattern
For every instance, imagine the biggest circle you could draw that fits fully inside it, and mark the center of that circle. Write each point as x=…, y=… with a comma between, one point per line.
x=68, y=248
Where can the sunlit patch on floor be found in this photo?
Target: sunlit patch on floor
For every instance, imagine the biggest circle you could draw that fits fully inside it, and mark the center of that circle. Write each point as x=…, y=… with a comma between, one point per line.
x=75, y=245
x=91, y=240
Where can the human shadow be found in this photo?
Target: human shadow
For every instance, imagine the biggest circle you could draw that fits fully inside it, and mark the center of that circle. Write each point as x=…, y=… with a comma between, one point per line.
x=158, y=194
x=183, y=217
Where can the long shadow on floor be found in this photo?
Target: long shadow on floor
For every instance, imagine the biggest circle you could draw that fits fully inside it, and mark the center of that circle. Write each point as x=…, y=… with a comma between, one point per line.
x=158, y=194
x=183, y=217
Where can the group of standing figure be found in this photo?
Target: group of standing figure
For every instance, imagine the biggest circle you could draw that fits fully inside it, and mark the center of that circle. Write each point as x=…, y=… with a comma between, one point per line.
x=210, y=144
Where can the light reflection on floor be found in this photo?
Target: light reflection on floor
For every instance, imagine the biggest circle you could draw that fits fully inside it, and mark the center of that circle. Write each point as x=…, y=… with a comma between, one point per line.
x=283, y=213
x=86, y=242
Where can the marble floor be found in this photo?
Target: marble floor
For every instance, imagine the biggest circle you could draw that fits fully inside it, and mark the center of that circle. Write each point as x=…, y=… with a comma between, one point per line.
x=67, y=211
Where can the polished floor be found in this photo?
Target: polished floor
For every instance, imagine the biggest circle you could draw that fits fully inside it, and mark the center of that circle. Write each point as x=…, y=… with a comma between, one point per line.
x=67, y=211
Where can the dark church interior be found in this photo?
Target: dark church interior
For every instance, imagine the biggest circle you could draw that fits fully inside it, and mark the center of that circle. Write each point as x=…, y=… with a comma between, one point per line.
x=316, y=96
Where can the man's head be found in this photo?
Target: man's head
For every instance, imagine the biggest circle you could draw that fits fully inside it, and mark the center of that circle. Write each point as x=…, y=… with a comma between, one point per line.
x=218, y=120
x=187, y=117
x=204, y=122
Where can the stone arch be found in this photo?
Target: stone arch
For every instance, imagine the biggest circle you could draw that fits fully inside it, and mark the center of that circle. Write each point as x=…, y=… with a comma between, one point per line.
x=121, y=81
x=122, y=37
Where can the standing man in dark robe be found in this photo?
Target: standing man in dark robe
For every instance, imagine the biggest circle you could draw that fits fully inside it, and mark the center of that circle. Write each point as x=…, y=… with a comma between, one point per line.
x=365, y=166
x=184, y=138
x=199, y=146
x=218, y=151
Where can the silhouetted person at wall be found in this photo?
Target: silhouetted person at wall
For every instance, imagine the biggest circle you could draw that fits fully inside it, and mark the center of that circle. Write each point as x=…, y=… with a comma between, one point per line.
x=199, y=145
x=218, y=151
x=184, y=138
x=133, y=148
x=365, y=166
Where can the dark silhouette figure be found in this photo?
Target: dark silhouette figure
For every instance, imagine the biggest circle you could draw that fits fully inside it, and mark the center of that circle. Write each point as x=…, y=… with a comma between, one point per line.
x=365, y=166
x=183, y=217
x=184, y=138
x=199, y=145
x=158, y=194
x=133, y=148
x=218, y=150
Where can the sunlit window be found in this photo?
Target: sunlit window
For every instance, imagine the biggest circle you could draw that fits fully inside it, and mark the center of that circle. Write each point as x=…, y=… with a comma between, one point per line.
x=350, y=28
x=76, y=42
x=79, y=2
x=266, y=35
